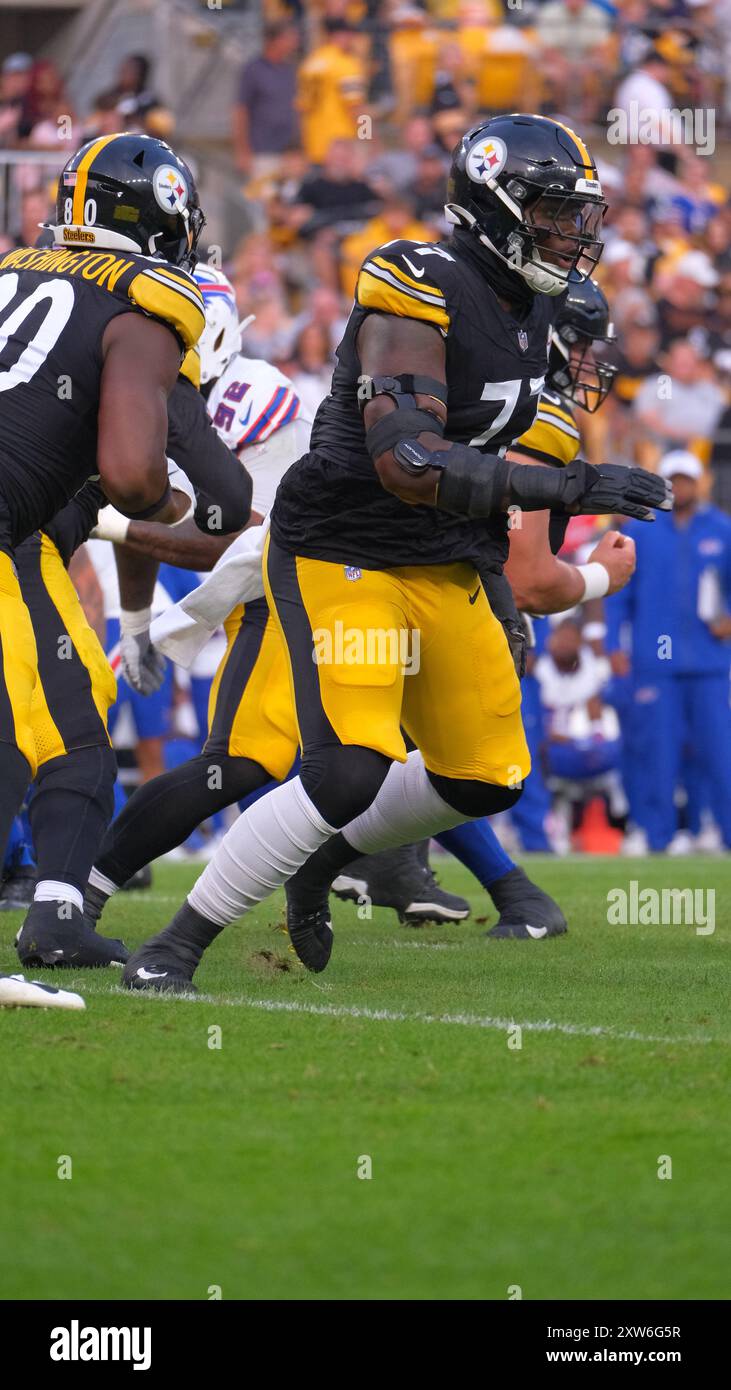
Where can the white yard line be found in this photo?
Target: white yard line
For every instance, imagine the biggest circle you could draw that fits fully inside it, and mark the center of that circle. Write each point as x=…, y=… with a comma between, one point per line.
x=501, y=1025
x=410, y=945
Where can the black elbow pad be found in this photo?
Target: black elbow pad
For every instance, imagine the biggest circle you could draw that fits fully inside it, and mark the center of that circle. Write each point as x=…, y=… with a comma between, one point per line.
x=400, y=425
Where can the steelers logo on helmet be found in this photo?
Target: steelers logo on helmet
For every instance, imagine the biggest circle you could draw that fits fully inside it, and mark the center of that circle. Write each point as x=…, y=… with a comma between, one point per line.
x=170, y=188
x=486, y=159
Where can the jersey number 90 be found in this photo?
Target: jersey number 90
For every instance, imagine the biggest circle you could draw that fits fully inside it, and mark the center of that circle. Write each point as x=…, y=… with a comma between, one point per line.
x=35, y=349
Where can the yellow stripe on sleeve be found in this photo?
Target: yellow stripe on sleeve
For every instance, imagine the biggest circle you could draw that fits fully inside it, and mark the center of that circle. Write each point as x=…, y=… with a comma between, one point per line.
x=191, y=367
x=372, y=293
x=406, y=279
x=562, y=415
x=181, y=308
x=548, y=439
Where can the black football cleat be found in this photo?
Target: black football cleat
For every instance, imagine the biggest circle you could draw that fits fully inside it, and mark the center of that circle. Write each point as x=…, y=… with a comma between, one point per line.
x=139, y=881
x=55, y=935
x=403, y=880
x=16, y=891
x=157, y=968
x=526, y=912
x=310, y=929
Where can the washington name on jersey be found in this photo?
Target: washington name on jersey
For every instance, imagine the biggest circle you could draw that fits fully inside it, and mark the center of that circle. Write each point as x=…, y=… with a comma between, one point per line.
x=55, y=305
x=331, y=504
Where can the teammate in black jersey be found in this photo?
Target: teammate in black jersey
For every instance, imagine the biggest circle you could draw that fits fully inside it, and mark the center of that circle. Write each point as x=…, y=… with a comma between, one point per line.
x=92, y=335
x=378, y=534
x=73, y=792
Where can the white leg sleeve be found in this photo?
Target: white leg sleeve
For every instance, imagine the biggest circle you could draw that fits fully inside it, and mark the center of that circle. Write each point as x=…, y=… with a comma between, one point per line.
x=407, y=808
x=267, y=844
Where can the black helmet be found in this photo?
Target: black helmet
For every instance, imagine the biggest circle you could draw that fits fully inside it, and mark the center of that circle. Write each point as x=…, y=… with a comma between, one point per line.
x=517, y=182
x=582, y=320
x=130, y=192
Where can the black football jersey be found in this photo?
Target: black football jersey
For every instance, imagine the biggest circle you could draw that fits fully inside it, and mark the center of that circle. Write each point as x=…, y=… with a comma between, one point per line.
x=222, y=486
x=330, y=504
x=72, y=526
x=55, y=305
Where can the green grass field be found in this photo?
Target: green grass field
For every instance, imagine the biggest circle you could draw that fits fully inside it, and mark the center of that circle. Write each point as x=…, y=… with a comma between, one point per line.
x=492, y=1165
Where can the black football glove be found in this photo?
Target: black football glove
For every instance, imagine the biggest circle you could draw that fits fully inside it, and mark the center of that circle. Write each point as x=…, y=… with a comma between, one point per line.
x=629, y=491
x=478, y=485
x=582, y=490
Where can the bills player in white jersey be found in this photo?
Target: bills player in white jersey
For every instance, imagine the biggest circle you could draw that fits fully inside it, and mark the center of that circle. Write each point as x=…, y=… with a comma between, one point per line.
x=252, y=733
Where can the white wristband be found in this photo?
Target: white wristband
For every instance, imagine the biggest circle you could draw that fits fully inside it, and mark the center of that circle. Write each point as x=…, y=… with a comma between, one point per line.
x=111, y=525
x=596, y=580
x=134, y=621
x=594, y=632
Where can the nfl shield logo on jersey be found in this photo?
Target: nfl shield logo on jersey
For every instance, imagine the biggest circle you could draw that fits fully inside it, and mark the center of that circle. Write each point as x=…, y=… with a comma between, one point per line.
x=352, y=572
x=522, y=340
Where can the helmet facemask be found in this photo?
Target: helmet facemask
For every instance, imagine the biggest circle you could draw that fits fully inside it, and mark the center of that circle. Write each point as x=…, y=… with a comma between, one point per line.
x=180, y=250
x=575, y=372
x=558, y=242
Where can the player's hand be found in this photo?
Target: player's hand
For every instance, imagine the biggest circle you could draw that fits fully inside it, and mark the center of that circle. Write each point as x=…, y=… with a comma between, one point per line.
x=617, y=554
x=628, y=491
x=141, y=665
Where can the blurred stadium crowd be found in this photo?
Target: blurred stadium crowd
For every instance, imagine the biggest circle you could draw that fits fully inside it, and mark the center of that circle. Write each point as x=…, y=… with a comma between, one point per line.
x=340, y=135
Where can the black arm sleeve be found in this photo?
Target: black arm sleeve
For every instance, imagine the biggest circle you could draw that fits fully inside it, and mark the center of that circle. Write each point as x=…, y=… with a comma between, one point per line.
x=222, y=485
x=70, y=527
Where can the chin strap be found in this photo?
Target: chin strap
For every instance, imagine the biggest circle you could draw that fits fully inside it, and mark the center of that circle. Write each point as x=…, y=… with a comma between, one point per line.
x=532, y=277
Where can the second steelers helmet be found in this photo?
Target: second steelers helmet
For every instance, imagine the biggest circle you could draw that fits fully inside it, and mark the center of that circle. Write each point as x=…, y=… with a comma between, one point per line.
x=132, y=193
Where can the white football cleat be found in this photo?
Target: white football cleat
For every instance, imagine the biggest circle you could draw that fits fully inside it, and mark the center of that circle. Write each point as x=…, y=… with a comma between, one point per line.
x=680, y=845
x=634, y=844
x=708, y=840
x=18, y=993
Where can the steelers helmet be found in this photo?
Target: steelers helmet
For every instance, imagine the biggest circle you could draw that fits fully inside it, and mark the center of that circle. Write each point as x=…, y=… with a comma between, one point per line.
x=221, y=337
x=573, y=369
x=129, y=193
x=528, y=189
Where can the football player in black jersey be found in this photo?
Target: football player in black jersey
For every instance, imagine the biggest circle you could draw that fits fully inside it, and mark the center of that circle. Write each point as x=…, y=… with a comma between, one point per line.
x=93, y=331
x=73, y=792
x=382, y=531
x=541, y=583
x=577, y=377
